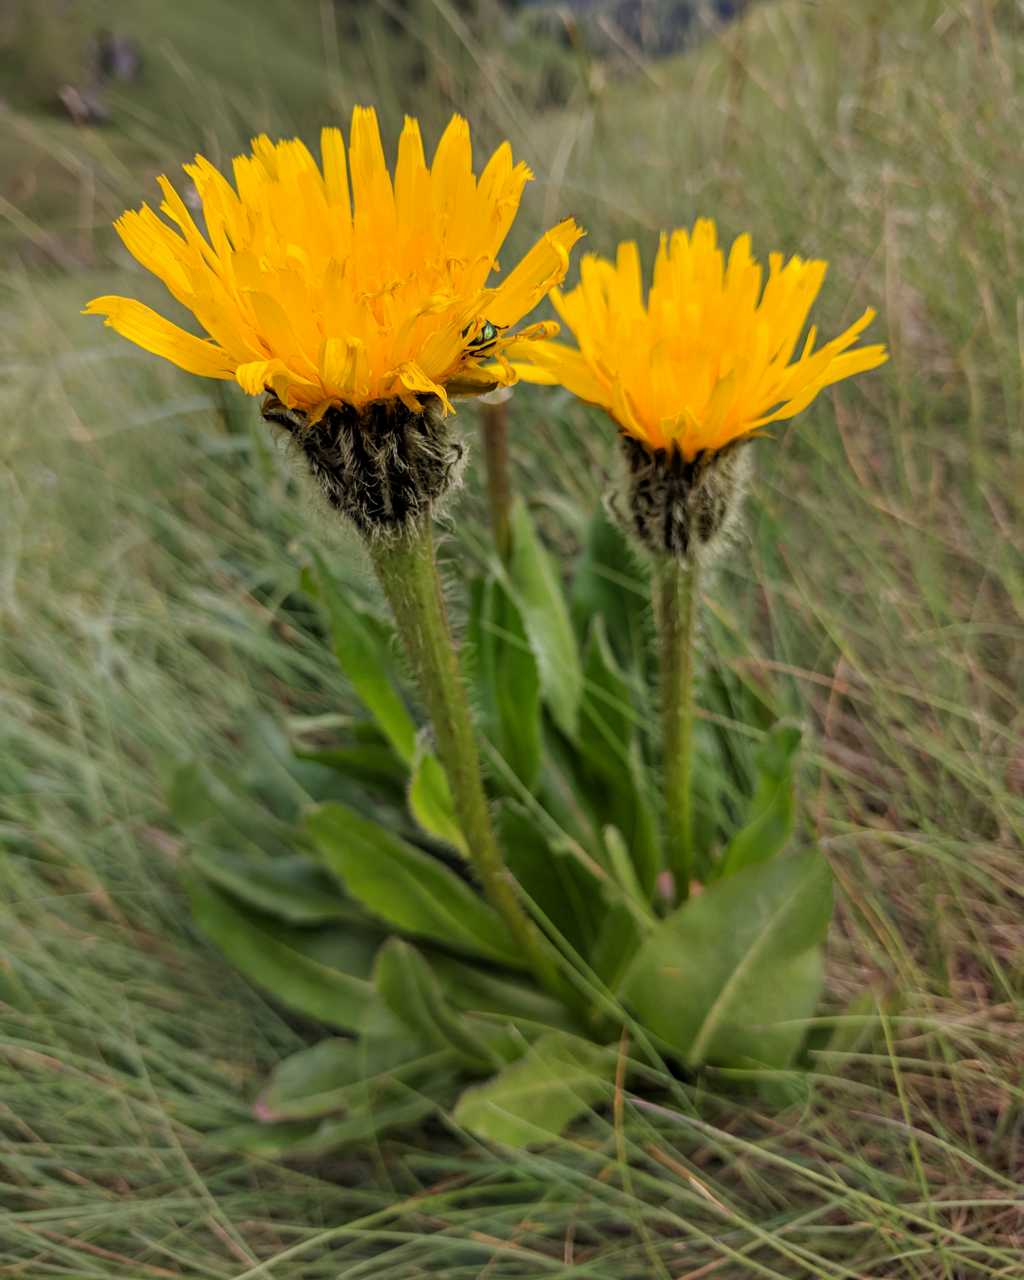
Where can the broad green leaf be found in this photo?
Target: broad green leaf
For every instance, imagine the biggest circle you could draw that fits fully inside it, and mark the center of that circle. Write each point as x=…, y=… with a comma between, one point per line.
x=611, y=582
x=532, y=1101
x=730, y=976
x=292, y=888
x=430, y=800
x=272, y=956
x=506, y=677
x=313, y=1082
x=267, y=768
x=363, y=761
x=203, y=798
x=475, y=990
x=629, y=918
x=569, y=896
x=617, y=943
x=538, y=594
x=331, y=1076
x=412, y=992
x=365, y=662
x=406, y=887
x=772, y=812
x=308, y=1139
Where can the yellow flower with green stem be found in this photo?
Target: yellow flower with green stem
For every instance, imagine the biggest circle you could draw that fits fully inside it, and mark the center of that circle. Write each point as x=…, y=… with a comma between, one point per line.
x=361, y=302
x=713, y=355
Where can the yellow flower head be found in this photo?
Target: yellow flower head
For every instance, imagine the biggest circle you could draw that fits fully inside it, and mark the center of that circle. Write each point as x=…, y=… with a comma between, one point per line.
x=710, y=358
x=333, y=284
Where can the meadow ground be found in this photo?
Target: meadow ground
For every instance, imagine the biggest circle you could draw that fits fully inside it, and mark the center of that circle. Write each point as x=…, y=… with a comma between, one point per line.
x=150, y=535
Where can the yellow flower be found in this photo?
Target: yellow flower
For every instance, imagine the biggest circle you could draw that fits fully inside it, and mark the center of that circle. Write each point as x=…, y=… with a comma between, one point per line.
x=710, y=358
x=333, y=284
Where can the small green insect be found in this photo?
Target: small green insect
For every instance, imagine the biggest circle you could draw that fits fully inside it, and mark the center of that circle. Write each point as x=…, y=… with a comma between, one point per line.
x=487, y=337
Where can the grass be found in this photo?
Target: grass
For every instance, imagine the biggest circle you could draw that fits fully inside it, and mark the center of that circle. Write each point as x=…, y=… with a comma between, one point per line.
x=150, y=536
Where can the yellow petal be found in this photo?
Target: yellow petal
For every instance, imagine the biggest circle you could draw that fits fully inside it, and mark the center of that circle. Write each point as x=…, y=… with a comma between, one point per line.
x=414, y=379
x=372, y=196
x=143, y=326
x=543, y=267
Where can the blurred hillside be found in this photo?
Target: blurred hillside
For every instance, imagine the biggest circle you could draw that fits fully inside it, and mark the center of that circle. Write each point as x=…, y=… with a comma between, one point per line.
x=93, y=91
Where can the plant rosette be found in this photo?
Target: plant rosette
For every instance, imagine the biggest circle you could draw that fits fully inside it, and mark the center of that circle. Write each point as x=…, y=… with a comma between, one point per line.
x=335, y=877
x=491, y=907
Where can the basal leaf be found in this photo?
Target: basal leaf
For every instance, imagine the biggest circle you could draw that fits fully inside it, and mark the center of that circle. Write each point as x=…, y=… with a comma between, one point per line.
x=205, y=799
x=506, y=677
x=430, y=800
x=412, y=991
x=569, y=896
x=363, y=761
x=406, y=887
x=272, y=956
x=610, y=582
x=400, y=1108
x=532, y=1101
x=541, y=602
x=366, y=664
x=331, y=1077
x=476, y=990
x=617, y=943
x=772, y=812
x=729, y=977
x=292, y=888
x=621, y=792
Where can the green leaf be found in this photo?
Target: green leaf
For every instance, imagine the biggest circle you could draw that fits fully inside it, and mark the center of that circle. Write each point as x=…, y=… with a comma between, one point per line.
x=629, y=919
x=609, y=744
x=412, y=992
x=409, y=889
x=364, y=761
x=332, y=1076
x=538, y=594
x=292, y=888
x=610, y=582
x=310, y=1139
x=609, y=706
x=365, y=662
x=203, y=798
x=729, y=977
x=475, y=990
x=430, y=800
x=533, y=1100
x=312, y=1082
x=273, y=956
x=507, y=679
x=569, y=896
x=617, y=943
x=772, y=812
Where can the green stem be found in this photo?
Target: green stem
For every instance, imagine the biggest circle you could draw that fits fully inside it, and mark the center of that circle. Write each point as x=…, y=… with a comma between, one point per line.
x=407, y=570
x=676, y=591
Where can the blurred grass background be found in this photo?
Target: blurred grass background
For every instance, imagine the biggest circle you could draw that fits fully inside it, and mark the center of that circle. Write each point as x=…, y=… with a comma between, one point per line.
x=151, y=535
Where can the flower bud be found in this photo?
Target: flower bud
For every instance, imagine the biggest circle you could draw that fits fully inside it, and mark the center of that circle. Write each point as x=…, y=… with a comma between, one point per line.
x=677, y=507
x=382, y=465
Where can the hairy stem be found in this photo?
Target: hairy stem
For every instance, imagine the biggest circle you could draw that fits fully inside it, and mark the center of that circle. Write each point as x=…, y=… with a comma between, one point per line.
x=676, y=590
x=407, y=569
